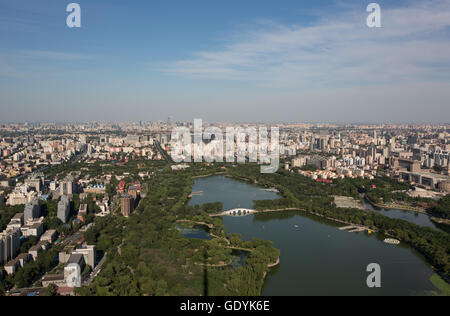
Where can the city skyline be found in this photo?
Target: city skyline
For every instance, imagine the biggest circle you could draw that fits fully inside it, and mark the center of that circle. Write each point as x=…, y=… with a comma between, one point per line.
x=122, y=207
x=241, y=62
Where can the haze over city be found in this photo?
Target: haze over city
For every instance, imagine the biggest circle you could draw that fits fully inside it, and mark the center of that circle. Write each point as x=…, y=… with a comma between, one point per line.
x=241, y=61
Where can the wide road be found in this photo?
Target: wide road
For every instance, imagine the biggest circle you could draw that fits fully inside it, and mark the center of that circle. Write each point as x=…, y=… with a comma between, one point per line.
x=163, y=153
x=96, y=271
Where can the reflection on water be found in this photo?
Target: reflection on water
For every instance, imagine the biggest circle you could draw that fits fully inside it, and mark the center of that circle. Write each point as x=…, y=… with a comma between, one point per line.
x=194, y=233
x=316, y=257
x=319, y=259
x=231, y=193
x=238, y=257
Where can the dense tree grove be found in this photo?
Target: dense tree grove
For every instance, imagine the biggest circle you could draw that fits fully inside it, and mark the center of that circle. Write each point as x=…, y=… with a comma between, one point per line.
x=147, y=255
x=442, y=209
x=7, y=212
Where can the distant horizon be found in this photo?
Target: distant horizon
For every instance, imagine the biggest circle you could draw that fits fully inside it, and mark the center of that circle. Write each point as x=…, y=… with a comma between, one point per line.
x=225, y=122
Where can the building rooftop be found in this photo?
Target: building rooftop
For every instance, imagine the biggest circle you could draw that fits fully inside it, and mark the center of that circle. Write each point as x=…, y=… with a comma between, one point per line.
x=18, y=216
x=32, y=225
x=430, y=175
x=53, y=277
x=23, y=256
x=49, y=233
x=75, y=258
x=35, y=248
x=43, y=243
x=12, y=263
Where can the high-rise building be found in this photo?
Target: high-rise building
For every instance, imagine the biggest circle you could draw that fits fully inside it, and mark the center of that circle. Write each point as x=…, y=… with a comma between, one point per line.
x=89, y=253
x=32, y=210
x=126, y=205
x=4, y=252
x=53, y=186
x=64, y=209
x=9, y=245
x=311, y=145
x=72, y=274
x=372, y=152
x=83, y=139
x=412, y=139
x=34, y=182
x=134, y=191
x=67, y=186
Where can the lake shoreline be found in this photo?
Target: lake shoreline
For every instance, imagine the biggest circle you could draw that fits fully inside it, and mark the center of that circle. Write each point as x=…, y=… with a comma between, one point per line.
x=397, y=207
x=232, y=198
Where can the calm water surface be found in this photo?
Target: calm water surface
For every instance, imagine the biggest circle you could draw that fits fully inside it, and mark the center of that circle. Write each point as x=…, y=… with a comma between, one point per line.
x=194, y=233
x=413, y=217
x=316, y=257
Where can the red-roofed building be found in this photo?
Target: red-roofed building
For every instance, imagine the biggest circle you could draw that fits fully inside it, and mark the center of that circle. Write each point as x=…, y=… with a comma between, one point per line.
x=65, y=291
x=136, y=184
x=120, y=187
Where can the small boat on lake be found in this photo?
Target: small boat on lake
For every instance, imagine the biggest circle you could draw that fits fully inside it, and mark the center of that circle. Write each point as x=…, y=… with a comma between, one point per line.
x=392, y=241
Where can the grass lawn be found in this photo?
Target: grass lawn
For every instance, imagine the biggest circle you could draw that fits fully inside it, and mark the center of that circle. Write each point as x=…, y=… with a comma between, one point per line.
x=443, y=286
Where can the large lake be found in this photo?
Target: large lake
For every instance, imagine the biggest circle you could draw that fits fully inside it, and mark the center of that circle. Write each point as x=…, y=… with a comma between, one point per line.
x=316, y=257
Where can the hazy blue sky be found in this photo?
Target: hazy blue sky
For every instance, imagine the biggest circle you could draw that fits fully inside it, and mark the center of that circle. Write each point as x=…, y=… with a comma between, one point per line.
x=233, y=60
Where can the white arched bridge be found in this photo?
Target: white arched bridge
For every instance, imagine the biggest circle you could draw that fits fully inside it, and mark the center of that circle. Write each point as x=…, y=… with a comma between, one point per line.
x=236, y=212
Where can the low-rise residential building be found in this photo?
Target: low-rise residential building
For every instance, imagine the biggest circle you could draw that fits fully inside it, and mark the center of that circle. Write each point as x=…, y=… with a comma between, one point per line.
x=35, y=251
x=16, y=222
x=82, y=212
x=49, y=236
x=33, y=228
x=44, y=244
x=56, y=279
x=23, y=258
x=12, y=266
x=95, y=189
